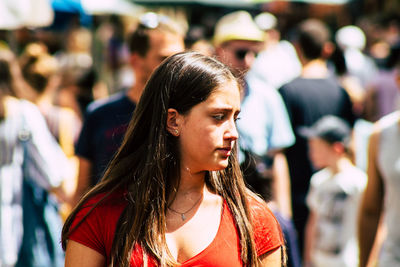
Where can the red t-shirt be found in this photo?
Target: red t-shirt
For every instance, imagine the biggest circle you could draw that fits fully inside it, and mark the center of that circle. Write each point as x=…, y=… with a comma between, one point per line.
x=97, y=232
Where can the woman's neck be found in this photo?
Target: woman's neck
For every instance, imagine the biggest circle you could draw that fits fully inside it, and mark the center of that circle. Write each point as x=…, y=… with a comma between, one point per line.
x=191, y=183
x=187, y=199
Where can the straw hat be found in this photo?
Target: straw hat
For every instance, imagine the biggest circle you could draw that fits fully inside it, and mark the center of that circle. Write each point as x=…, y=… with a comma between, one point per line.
x=238, y=25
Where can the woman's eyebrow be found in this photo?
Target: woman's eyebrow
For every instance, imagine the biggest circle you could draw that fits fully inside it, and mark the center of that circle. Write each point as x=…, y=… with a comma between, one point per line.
x=229, y=109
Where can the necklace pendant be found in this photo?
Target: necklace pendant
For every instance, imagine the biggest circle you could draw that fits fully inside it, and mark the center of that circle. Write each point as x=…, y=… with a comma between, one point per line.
x=183, y=217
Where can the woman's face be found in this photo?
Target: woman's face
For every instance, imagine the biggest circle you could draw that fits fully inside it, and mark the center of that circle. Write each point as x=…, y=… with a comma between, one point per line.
x=208, y=132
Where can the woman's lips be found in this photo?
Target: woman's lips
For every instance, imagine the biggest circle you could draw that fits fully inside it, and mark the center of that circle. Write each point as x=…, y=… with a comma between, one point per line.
x=225, y=151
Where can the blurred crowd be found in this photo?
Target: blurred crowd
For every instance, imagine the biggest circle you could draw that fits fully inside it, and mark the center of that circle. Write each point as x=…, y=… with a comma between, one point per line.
x=319, y=125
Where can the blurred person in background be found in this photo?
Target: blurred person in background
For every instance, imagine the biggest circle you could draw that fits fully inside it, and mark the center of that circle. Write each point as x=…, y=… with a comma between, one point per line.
x=334, y=196
x=309, y=97
x=79, y=87
x=383, y=96
x=203, y=46
x=79, y=84
x=264, y=126
x=383, y=31
x=41, y=72
x=277, y=63
x=77, y=52
x=379, y=215
x=155, y=38
x=352, y=40
x=31, y=166
x=380, y=94
x=349, y=44
x=110, y=53
x=196, y=40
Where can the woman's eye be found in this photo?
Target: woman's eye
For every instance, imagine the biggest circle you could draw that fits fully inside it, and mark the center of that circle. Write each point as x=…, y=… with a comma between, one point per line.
x=219, y=117
x=236, y=119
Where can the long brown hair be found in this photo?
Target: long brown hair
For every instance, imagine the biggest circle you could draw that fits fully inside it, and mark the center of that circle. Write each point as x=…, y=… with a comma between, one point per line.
x=147, y=166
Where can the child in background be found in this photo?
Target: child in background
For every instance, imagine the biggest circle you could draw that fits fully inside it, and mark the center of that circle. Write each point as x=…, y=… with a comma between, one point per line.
x=333, y=197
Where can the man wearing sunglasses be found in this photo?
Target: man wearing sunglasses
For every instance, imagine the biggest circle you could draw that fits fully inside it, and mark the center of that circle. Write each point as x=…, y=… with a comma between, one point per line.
x=237, y=42
x=264, y=125
x=155, y=38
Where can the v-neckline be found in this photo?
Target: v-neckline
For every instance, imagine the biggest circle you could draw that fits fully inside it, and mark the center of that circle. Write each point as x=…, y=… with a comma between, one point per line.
x=221, y=221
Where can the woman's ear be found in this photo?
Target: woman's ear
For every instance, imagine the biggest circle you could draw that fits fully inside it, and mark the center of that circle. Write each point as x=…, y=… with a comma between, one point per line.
x=173, y=121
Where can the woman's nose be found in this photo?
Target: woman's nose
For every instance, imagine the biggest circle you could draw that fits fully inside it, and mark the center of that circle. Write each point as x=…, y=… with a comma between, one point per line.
x=232, y=132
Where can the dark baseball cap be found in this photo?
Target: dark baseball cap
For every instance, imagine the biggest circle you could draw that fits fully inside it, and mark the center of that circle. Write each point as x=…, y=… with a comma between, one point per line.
x=330, y=128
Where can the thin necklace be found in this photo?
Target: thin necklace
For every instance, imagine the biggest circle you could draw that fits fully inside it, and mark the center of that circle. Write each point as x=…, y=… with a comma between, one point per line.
x=183, y=217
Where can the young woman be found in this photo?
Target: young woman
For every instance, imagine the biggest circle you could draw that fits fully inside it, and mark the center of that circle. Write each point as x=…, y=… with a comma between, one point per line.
x=174, y=194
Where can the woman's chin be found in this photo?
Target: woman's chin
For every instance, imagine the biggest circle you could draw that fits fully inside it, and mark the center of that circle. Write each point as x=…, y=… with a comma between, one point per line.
x=221, y=165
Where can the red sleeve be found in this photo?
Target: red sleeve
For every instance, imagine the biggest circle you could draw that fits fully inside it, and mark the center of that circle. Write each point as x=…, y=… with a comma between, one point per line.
x=97, y=230
x=267, y=232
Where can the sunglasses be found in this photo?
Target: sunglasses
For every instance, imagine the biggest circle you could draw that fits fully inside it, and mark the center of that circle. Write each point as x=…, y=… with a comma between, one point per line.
x=240, y=54
x=151, y=20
